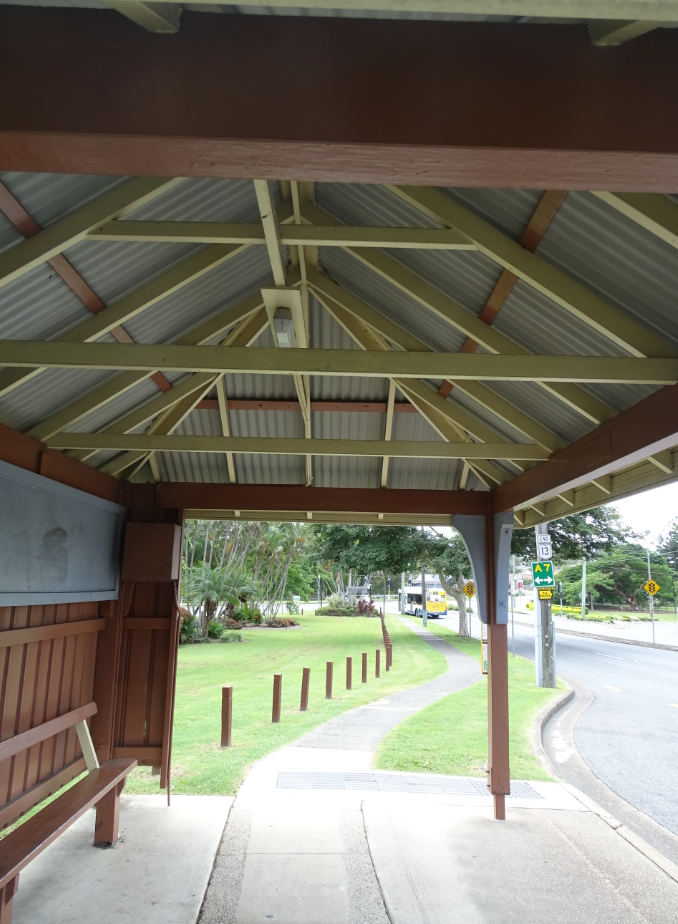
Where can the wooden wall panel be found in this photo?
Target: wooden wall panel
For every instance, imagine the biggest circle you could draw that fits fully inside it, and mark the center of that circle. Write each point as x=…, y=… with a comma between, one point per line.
x=40, y=680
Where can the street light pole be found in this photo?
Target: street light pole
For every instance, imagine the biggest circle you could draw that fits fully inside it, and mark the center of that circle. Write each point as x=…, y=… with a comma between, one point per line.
x=513, y=593
x=583, y=590
x=649, y=577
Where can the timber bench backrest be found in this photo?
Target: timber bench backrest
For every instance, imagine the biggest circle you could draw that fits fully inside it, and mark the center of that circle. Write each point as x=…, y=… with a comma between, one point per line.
x=101, y=787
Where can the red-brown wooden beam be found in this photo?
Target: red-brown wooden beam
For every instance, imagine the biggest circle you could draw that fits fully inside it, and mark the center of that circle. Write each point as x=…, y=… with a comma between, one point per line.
x=29, y=454
x=470, y=104
x=648, y=427
x=294, y=498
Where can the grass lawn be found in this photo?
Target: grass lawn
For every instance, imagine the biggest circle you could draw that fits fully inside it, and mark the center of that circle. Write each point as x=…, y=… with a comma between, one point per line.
x=200, y=766
x=451, y=736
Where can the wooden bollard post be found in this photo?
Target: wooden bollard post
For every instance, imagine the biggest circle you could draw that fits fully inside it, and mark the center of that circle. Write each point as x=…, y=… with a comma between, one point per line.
x=226, y=715
x=328, y=680
x=388, y=660
x=349, y=672
x=377, y=665
x=305, y=678
x=277, y=696
x=364, y=667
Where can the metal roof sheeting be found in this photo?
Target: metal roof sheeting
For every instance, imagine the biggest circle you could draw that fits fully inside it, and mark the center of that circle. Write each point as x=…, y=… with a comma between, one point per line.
x=588, y=240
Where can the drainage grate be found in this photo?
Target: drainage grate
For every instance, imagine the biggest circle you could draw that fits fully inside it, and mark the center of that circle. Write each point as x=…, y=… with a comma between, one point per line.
x=391, y=782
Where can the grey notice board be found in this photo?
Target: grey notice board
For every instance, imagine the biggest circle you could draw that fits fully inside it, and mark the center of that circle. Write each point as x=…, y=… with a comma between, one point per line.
x=57, y=544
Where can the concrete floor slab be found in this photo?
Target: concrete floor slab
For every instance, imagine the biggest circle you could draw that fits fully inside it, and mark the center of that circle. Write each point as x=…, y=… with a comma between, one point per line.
x=294, y=829
x=157, y=873
x=288, y=889
x=438, y=865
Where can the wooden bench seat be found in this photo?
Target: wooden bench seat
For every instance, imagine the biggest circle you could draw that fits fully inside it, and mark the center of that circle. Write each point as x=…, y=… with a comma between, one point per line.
x=101, y=788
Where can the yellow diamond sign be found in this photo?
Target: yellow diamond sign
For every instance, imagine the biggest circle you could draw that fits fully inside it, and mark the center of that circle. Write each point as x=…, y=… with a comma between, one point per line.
x=469, y=589
x=651, y=587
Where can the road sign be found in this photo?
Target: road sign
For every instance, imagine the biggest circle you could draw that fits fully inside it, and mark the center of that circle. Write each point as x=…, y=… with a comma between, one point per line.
x=545, y=593
x=542, y=574
x=651, y=587
x=544, y=549
x=469, y=589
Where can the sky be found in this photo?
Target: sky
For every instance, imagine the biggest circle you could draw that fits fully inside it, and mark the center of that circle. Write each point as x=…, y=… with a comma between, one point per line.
x=651, y=512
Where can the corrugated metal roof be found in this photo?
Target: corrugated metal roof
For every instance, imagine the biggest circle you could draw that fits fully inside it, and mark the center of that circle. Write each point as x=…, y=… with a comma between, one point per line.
x=593, y=243
x=47, y=197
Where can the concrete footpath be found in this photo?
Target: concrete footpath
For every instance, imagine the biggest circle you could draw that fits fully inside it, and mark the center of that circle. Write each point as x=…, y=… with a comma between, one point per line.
x=316, y=836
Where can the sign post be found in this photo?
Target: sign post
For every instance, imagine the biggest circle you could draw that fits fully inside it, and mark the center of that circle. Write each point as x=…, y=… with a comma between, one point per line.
x=544, y=635
x=469, y=589
x=651, y=587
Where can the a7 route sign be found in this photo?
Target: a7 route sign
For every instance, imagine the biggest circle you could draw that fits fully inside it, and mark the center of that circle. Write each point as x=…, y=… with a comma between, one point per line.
x=542, y=574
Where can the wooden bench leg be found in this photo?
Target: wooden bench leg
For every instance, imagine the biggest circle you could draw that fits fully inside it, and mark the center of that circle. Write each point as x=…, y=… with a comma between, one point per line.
x=6, y=900
x=108, y=818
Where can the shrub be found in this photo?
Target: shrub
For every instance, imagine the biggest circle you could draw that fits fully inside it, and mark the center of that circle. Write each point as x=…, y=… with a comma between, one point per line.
x=216, y=629
x=281, y=622
x=231, y=637
x=232, y=624
x=256, y=618
x=188, y=630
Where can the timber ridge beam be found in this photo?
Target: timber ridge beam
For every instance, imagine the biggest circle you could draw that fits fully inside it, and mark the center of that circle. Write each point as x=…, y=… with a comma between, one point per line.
x=283, y=497
x=218, y=71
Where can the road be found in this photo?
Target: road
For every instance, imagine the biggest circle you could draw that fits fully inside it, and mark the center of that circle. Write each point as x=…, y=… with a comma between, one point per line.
x=628, y=736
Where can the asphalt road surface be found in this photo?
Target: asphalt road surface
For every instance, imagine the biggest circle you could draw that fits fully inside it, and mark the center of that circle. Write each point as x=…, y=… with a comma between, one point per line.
x=628, y=736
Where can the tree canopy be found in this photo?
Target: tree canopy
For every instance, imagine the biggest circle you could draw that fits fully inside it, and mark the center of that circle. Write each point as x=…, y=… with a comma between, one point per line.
x=586, y=535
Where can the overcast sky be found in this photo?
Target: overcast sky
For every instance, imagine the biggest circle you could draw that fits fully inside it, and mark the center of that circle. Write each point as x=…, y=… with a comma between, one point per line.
x=651, y=511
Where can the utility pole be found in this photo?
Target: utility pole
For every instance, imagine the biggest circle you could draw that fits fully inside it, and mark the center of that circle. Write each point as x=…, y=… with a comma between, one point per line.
x=583, y=590
x=544, y=636
x=513, y=593
x=423, y=596
x=387, y=584
x=649, y=577
x=402, y=593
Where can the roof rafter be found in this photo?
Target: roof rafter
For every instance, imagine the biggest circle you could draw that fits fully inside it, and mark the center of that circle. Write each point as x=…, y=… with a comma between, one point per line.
x=131, y=305
x=68, y=231
x=101, y=395
x=548, y=280
x=463, y=320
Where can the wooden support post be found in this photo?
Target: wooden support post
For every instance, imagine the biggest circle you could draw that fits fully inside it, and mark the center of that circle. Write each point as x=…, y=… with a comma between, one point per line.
x=499, y=780
x=377, y=665
x=388, y=656
x=328, y=679
x=349, y=673
x=226, y=715
x=108, y=817
x=305, y=679
x=7, y=894
x=277, y=697
x=364, y=667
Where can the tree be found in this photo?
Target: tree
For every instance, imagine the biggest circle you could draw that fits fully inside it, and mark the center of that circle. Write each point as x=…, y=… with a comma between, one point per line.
x=449, y=559
x=210, y=591
x=586, y=535
x=369, y=549
x=668, y=545
x=617, y=578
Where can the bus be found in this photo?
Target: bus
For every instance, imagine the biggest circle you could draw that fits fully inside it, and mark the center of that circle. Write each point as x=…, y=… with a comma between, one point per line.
x=436, y=599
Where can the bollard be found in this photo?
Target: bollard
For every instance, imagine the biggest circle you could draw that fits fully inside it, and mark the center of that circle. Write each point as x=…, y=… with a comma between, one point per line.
x=364, y=667
x=328, y=680
x=388, y=660
x=349, y=672
x=377, y=665
x=305, y=678
x=277, y=696
x=226, y=715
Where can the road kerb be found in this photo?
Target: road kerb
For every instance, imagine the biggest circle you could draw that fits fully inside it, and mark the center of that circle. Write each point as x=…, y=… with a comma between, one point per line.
x=605, y=638
x=641, y=845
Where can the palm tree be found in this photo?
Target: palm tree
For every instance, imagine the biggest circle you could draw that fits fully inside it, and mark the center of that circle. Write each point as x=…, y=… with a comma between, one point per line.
x=212, y=590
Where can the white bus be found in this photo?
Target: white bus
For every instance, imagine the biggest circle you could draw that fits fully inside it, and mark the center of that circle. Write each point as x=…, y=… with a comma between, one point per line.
x=436, y=599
